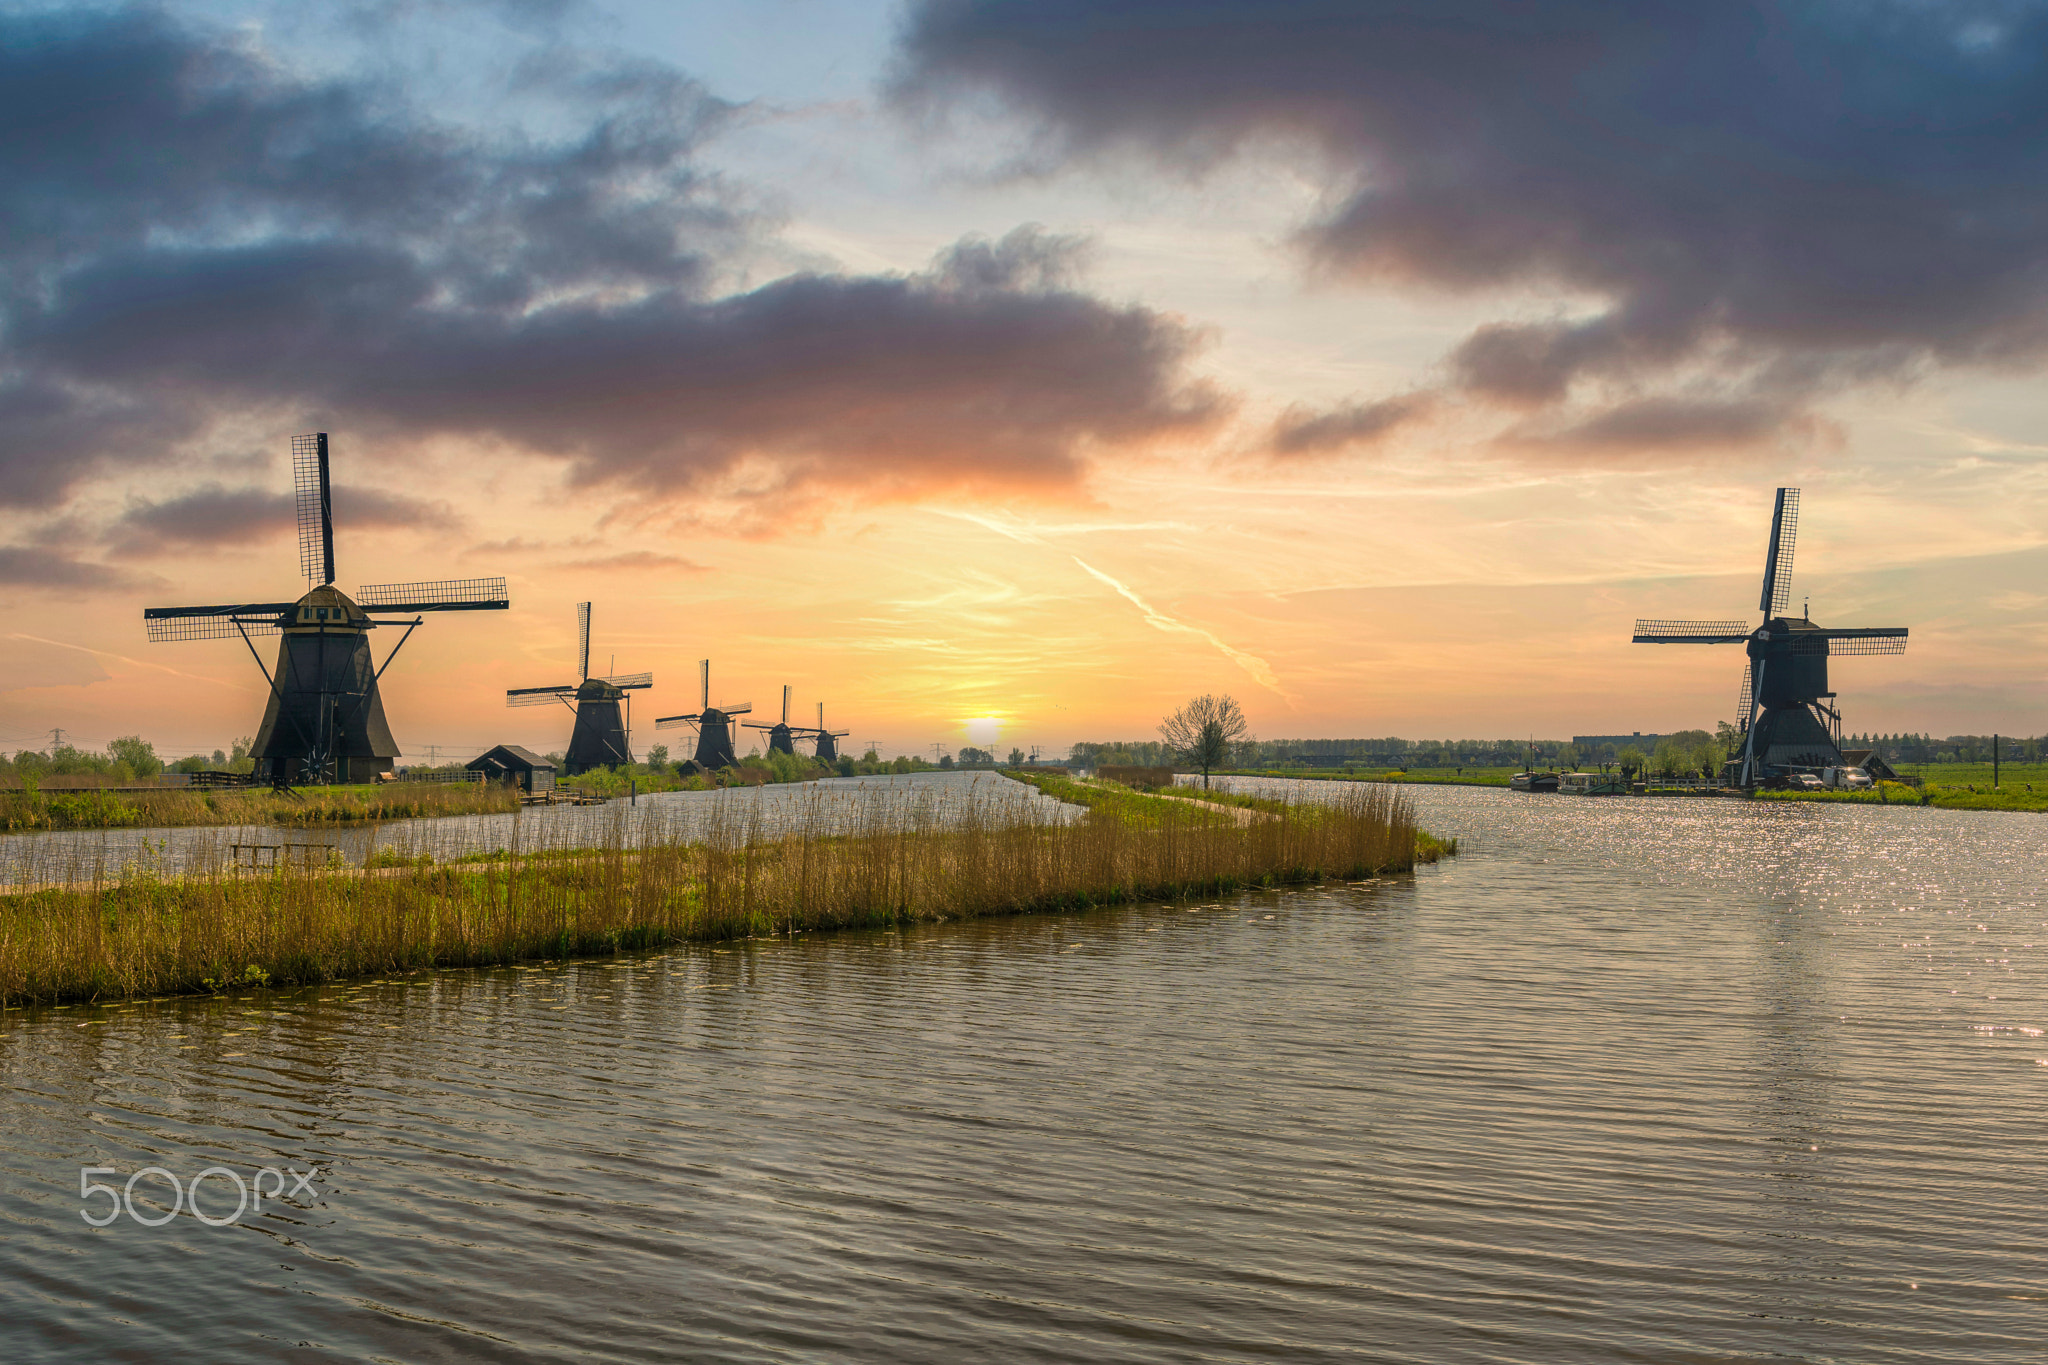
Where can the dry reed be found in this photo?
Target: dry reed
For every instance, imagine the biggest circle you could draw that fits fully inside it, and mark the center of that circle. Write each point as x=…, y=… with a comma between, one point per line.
x=887, y=861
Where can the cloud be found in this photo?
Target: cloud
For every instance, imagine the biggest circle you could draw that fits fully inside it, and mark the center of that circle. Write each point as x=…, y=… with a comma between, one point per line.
x=197, y=234
x=1302, y=431
x=213, y=516
x=1789, y=197
x=1669, y=424
x=41, y=567
x=638, y=561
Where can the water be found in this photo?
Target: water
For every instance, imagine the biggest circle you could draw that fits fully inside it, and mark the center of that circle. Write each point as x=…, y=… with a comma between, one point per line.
x=1628, y=1080
x=833, y=805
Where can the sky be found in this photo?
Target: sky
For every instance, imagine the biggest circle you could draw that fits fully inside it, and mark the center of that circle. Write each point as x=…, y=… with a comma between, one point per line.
x=1006, y=373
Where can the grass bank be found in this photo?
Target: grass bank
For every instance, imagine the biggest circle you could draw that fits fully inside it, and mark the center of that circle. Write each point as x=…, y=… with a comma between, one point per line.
x=29, y=808
x=1963, y=797
x=902, y=860
x=1143, y=808
x=1470, y=777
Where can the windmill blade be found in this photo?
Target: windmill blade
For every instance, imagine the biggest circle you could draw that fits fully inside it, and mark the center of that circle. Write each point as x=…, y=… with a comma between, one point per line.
x=821, y=715
x=785, y=703
x=1885, y=640
x=704, y=677
x=214, y=623
x=583, y=637
x=1743, y=701
x=538, y=696
x=671, y=722
x=745, y=708
x=631, y=680
x=1690, y=632
x=448, y=594
x=315, y=507
x=1778, y=559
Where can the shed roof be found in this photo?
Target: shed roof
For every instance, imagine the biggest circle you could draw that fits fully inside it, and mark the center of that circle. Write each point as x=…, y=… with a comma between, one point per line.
x=511, y=756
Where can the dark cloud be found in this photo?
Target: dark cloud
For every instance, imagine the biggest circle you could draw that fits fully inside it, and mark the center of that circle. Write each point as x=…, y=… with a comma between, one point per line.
x=1826, y=190
x=41, y=567
x=213, y=516
x=1302, y=431
x=1668, y=424
x=195, y=234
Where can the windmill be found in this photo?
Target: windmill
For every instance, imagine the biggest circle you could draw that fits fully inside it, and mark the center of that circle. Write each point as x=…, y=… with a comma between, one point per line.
x=828, y=740
x=1788, y=721
x=712, y=723
x=324, y=721
x=781, y=739
x=600, y=738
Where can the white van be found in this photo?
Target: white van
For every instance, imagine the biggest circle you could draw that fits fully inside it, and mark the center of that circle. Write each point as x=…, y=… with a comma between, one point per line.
x=1846, y=779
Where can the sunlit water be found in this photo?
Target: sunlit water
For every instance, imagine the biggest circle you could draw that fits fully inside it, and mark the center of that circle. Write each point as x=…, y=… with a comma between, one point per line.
x=1637, y=1080
x=833, y=805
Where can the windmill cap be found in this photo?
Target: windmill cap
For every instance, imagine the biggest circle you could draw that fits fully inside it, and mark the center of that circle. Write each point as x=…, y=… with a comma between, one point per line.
x=326, y=607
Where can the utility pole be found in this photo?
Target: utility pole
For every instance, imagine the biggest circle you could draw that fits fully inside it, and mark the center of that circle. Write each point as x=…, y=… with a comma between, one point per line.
x=936, y=749
x=56, y=739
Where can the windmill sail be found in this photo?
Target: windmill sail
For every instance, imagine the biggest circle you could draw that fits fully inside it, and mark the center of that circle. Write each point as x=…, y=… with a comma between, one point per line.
x=214, y=623
x=1778, y=559
x=630, y=681
x=448, y=594
x=315, y=508
x=583, y=636
x=1690, y=632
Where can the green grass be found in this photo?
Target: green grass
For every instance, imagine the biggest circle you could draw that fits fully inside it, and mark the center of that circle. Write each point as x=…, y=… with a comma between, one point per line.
x=2012, y=776
x=25, y=808
x=1471, y=777
x=1942, y=797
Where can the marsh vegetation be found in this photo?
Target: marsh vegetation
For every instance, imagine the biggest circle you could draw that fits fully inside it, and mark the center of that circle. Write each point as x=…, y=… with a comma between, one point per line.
x=902, y=857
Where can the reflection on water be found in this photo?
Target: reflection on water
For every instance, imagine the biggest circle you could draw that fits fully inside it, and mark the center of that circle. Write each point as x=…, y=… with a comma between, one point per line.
x=832, y=805
x=1630, y=1079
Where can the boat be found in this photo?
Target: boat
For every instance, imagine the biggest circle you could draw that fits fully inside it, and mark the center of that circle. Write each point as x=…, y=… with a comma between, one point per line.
x=1592, y=784
x=1533, y=782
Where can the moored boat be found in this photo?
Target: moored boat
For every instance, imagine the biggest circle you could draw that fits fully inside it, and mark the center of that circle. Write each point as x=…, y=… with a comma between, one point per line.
x=1533, y=782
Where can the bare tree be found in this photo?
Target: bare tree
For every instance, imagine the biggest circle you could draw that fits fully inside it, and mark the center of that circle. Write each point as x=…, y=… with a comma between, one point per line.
x=1202, y=731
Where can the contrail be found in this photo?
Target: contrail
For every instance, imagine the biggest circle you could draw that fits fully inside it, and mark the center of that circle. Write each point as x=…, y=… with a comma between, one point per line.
x=1250, y=663
x=110, y=654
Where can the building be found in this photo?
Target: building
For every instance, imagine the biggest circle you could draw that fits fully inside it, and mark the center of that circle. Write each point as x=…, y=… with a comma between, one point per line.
x=1585, y=743
x=510, y=763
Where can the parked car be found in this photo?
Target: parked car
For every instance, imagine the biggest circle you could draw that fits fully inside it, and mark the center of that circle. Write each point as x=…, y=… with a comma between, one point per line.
x=1806, y=782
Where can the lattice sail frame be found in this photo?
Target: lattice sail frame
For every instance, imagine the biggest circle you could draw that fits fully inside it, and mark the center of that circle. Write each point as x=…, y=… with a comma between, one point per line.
x=315, y=507
x=209, y=627
x=1691, y=632
x=1777, y=594
x=443, y=594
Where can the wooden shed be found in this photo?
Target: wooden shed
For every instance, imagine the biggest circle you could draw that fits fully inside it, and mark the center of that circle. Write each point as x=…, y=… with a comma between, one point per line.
x=510, y=763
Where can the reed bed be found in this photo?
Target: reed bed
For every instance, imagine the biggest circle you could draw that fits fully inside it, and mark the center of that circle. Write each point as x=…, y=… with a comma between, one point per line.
x=34, y=808
x=891, y=858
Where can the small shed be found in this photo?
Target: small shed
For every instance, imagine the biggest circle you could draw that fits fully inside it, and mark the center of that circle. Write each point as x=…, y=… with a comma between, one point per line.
x=510, y=763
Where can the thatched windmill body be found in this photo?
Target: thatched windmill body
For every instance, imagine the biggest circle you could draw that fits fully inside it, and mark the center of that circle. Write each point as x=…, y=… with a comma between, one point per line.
x=781, y=739
x=324, y=720
x=828, y=740
x=603, y=736
x=1789, y=722
x=712, y=723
